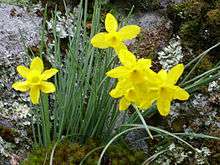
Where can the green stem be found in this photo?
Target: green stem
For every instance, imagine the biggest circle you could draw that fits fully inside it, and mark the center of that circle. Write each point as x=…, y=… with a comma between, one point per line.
x=45, y=120
x=112, y=140
x=143, y=121
x=199, y=58
x=202, y=54
x=205, y=74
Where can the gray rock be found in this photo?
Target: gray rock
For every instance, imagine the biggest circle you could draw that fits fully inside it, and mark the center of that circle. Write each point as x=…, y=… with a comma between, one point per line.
x=155, y=33
x=18, y=29
x=148, y=20
x=165, y=3
x=16, y=26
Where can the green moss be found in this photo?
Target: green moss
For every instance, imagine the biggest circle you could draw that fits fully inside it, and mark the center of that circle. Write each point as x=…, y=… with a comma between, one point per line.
x=213, y=21
x=190, y=30
x=214, y=17
x=8, y=134
x=145, y=4
x=73, y=153
x=206, y=64
x=197, y=22
x=192, y=9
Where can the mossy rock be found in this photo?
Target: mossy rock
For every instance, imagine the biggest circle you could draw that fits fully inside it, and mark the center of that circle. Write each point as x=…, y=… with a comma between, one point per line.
x=186, y=11
x=214, y=17
x=72, y=153
x=145, y=4
x=197, y=22
x=213, y=20
x=205, y=65
x=8, y=134
x=190, y=9
x=190, y=29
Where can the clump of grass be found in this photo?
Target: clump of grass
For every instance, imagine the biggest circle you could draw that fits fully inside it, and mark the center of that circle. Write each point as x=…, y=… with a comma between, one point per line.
x=82, y=108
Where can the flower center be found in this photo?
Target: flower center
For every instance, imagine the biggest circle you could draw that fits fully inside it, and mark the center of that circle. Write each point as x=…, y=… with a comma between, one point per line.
x=162, y=89
x=114, y=39
x=34, y=78
x=131, y=95
x=136, y=76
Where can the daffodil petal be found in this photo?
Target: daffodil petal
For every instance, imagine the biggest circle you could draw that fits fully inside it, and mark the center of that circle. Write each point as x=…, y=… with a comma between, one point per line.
x=145, y=104
x=181, y=94
x=117, y=72
x=23, y=71
x=152, y=77
x=115, y=93
x=100, y=41
x=21, y=86
x=48, y=73
x=163, y=106
x=131, y=95
x=175, y=73
x=147, y=96
x=126, y=57
x=151, y=96
x=37, y=64
x=129, y=32
x=123, y=104
x=162, y=75
x=120, y=46
x=164, y=100
x=144, y=63
x=137, y=76
x=47, y=87
x=120, y=89
x=111, y=24
x=35, y=94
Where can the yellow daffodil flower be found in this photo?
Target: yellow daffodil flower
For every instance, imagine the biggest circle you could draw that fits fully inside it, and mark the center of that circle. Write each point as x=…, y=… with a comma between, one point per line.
x=132, y=69
x=113, y=37
x=140, y=94
x=167, y=90
x=139, y=85
x=134, y=81
x=36, y=79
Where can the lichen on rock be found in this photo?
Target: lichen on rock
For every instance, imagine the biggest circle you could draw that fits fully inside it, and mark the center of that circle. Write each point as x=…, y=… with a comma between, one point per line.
x=172, y=54
x=19, y=29
x=155, y=33
x=65, y=24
